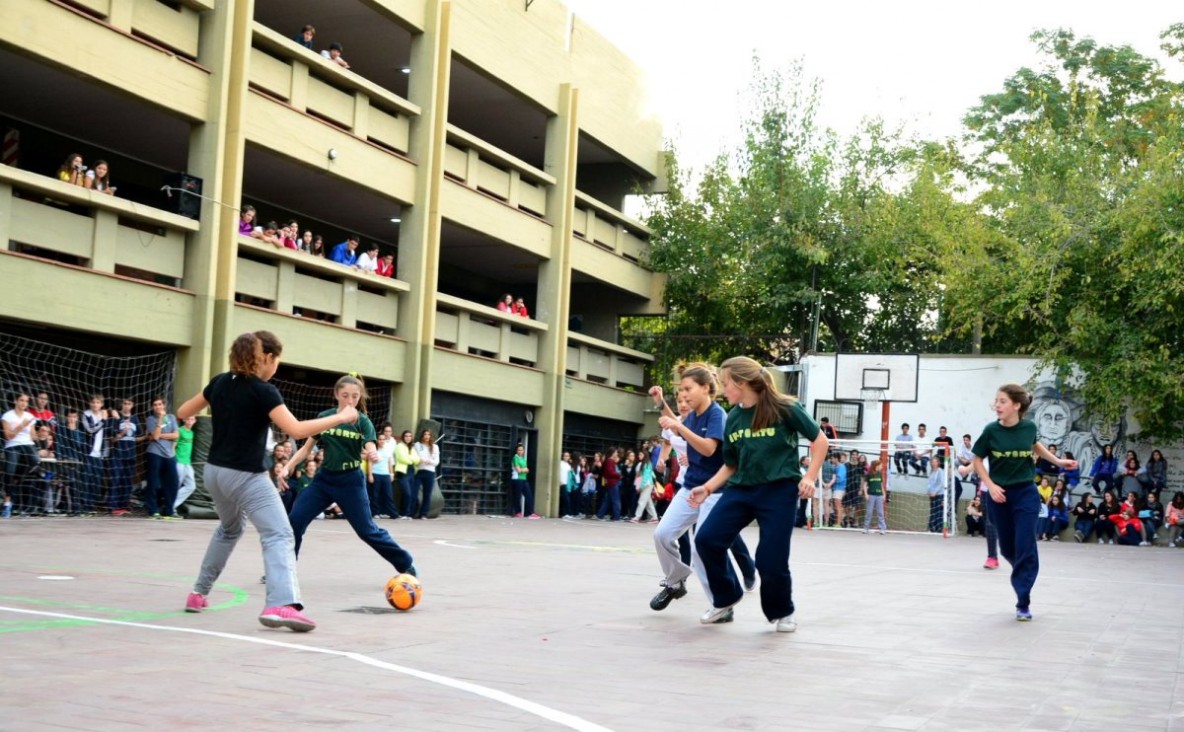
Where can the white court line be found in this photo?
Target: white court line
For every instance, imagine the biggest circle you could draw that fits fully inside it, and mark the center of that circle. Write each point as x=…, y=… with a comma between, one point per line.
x=442, y=542
x=563, y=718
x=984, y=573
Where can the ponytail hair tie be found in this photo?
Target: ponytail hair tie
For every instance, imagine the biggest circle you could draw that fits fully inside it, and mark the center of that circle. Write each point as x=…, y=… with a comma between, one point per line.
x=353, y=374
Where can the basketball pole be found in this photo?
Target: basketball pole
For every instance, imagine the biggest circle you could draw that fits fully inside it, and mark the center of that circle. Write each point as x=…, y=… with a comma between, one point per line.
x=885, y=418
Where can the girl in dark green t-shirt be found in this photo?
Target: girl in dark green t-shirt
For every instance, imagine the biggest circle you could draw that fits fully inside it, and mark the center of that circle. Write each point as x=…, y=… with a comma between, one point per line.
x=1009, y=444
x=340, y=478
x=760, y=480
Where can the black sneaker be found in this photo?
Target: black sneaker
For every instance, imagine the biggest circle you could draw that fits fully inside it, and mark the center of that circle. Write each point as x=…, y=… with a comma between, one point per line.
x=667, y=595
x=749, y=583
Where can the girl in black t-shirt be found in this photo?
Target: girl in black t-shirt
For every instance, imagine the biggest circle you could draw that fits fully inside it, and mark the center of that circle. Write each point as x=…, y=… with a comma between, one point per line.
x=243, y=405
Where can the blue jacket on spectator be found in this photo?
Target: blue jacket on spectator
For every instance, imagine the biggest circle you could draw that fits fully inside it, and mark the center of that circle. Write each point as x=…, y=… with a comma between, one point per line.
x=1104, y=466
x=342, y=255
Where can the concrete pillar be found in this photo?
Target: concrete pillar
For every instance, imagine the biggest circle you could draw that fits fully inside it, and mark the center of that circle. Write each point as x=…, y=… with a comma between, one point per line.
x=554, y=294
x=216, y=156
x=419, y=232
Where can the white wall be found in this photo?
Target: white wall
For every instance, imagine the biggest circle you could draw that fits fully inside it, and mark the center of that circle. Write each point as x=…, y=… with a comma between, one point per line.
x=957, y=391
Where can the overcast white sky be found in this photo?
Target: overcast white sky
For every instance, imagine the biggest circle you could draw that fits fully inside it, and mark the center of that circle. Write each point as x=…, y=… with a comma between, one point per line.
x=918, y=62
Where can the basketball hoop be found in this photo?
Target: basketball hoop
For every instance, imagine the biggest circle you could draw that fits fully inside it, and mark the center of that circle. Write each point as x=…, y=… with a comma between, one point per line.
x=874, y=395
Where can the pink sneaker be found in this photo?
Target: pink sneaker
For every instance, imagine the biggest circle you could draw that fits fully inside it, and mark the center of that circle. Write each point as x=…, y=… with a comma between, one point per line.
x=286, y=616
x=195, y=603
x=991, y=563
x=517, y=515
x=534, y=516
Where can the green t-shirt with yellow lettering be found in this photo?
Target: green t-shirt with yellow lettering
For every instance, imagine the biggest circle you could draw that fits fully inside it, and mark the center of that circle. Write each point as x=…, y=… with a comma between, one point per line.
x=767, y=455
x=343, y=444
x=1009, y=452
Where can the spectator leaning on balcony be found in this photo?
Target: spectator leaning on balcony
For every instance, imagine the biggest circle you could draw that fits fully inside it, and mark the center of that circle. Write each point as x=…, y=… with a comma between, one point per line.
x=346, y=252
x=520, y=308
x=305, y=36
x=368, y=260
x=99, y=178
x=318, y=246
x=270, y=234
x=333, y=53
x=386, y=266
x=73, y=171
x=246, y=221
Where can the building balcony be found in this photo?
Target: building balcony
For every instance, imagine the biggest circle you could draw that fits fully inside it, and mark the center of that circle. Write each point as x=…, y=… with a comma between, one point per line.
x=496, y=193
x=605, y=380
x=610, y=246
x=484, y=352
x=148, y=50
x=311, y=84
x=601, y=362
x=93, y=259
x=292, y=282
x=91, y=229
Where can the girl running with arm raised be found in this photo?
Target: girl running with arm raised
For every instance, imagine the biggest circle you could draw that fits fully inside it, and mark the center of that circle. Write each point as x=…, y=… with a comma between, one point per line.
x=243, y=405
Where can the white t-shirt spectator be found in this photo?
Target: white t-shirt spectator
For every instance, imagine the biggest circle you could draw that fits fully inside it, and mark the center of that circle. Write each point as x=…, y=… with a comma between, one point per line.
x=366, y=264
x=679, y=445
x=564, y=472
x=24, y=435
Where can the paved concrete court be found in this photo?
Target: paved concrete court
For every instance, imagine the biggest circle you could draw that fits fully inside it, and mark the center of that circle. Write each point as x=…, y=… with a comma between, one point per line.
x=545, y=625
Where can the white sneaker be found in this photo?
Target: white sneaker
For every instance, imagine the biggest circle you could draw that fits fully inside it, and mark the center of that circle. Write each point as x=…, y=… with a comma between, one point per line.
x=715, y=614
x=787, y=624
x=1144, y=543
x=1172, y=544
x=1101, y=542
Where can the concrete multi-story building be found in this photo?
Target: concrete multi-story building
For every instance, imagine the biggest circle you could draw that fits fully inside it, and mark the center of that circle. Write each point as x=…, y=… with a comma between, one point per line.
x=488, y=144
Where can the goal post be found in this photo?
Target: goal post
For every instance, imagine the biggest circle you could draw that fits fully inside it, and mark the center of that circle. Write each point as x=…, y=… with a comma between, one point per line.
x=908, y=506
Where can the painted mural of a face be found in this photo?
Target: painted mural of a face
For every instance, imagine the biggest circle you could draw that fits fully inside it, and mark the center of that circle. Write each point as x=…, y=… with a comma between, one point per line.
x=1053, y=420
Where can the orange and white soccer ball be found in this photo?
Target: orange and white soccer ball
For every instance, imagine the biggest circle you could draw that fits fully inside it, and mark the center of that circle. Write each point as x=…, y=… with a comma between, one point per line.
x=403, y=591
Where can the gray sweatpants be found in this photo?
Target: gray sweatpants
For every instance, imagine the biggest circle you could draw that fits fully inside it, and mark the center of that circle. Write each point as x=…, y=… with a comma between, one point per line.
x=252, y=496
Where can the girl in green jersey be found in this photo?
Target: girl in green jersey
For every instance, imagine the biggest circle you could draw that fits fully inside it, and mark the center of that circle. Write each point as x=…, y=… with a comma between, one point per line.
x=340, y=478
x=1009, y=444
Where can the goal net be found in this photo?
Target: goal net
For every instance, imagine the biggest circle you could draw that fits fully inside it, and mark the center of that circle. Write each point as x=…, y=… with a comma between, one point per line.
x=914, y=500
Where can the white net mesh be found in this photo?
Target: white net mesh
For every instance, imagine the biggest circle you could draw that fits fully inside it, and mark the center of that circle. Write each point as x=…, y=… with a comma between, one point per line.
x=914, y=500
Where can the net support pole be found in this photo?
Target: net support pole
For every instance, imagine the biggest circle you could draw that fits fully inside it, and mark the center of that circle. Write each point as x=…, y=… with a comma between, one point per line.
x=885, y=418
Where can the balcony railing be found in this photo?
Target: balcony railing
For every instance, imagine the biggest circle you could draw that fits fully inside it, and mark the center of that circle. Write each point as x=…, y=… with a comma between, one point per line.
x=610, y=229
x=173, y=25
x=601, y=362
x=294, y=283
x=312, y=84
x=92, y=229
x=478, y=165
x=467, y=327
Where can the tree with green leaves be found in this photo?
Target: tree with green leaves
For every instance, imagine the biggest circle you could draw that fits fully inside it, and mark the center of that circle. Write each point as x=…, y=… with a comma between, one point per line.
x=1081, y=177
x=794, y=241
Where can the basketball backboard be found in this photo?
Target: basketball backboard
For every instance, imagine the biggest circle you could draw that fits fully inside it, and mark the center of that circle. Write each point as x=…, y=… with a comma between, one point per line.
x=891, y=377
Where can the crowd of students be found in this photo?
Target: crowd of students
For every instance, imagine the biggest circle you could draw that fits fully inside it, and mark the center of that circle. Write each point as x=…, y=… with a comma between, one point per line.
x=349, y=253
x=89, y=461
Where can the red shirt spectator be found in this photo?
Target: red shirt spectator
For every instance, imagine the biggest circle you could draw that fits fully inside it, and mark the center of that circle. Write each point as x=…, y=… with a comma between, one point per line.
x=386, y=266
x=520, y=308
x=42, y=411
x=506, y=305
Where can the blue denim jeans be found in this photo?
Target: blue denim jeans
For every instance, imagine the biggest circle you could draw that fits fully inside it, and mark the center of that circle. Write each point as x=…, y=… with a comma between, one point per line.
x=123, y=472
x=612, y=497
x=161, y=492
x=346, y=488
x=774, y=507
x=384, y=495
x=426, y=479
x=1015, y=522
x=406, y=492
x=523, y=497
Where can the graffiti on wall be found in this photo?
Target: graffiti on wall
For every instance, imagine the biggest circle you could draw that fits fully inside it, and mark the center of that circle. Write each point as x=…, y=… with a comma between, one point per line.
x=1061, y=420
